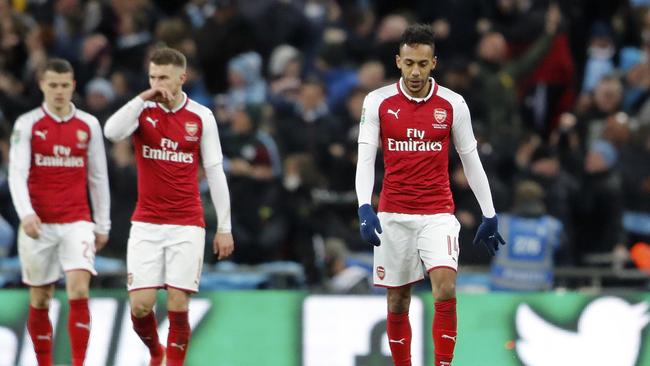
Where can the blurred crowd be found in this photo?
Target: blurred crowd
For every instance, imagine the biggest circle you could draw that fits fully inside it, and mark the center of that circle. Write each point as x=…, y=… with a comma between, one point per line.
x=558, y=102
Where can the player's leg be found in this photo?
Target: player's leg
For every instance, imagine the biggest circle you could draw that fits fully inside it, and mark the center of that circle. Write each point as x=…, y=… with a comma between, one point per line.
x=145, y=263
x=444, y=329
x=183, y=264
x=438, y=244
x=77, y=287
x=39, y=325
x=397, y=266
x=179, y=326
x=144, y=322
x=77, y=255
x=40, y=270
x=398, y=326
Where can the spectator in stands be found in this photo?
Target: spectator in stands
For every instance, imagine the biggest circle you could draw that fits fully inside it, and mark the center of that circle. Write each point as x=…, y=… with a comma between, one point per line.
x=534, y=237
x=598, y=209
x=498, y=77
x=635, y=172
x=99, y=99
x=246, y=85
x=254, y=168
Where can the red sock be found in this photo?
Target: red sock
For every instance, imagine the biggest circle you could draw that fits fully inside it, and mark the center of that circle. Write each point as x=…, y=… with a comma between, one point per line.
x=147, y=328
x=179, y=337
x=40, y=330
x=398, y=330
x=79, y=330
x=444, y=331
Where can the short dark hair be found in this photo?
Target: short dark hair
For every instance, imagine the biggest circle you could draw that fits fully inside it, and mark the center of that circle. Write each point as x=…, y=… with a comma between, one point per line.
x=418, y=34
x=168, y=56
x=58, y=65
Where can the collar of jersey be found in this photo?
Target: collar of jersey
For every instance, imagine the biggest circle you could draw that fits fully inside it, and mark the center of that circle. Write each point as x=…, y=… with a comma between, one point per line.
x=73, y=110
x=180, y=106
x=432, y=92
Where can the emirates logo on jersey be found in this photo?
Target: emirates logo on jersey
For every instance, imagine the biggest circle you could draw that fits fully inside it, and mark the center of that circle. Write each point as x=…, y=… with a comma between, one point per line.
x=440, y=115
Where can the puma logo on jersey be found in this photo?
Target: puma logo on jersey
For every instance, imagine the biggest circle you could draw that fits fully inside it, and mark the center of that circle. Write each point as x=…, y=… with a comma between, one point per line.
x=179, y=346
x=41, y=133
x=400, y=341
x=448, y=337
x=152, y=121
x=394, y=113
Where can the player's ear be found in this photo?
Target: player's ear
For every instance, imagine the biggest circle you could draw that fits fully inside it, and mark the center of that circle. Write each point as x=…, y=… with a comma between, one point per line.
x=398, y=62
x=183, y=77
x=434, y=62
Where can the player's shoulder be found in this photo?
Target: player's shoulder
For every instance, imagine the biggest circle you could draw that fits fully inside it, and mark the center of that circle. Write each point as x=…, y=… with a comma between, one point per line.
x=199, y=109
x=87, y=118
x=451, y=96
x=148, y=104
x=382, y=93
x=30, y=117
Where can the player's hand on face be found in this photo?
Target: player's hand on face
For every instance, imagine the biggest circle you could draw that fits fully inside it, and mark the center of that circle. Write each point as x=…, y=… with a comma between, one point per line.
x=223, y=245
x=157, y=94
x=369, y=225
x=32, y=226
x=100, y=241
x=488, y=234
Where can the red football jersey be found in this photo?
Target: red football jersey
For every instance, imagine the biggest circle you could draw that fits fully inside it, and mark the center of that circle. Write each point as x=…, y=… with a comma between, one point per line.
x=415, y=135
x=168, y=146
x=55, y=159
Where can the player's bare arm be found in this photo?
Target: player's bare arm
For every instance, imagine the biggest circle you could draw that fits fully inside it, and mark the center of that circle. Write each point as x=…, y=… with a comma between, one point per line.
x=32, y=226
x=223, y=245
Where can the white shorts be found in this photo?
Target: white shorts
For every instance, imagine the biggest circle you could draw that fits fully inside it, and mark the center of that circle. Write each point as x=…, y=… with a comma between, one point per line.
x=160, y=256
x=411, y=244
x=60, y=247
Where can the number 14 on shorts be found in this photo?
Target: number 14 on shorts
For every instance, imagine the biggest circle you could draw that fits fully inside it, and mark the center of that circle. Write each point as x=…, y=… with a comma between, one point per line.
x=452, y=244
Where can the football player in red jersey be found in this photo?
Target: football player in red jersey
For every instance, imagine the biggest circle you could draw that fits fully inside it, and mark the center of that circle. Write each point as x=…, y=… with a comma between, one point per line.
x=57, y=157
x=171, y=134
x=414, y=121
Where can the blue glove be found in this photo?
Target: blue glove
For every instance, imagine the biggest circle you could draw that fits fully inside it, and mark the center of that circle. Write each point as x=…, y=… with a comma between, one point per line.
x=368, y=224
x=488, y=234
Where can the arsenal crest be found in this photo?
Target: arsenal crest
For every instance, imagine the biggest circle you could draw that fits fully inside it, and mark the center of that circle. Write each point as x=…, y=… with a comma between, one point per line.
x=440, y=115
x=191, y=128
x=82, y=136
x=381, y=272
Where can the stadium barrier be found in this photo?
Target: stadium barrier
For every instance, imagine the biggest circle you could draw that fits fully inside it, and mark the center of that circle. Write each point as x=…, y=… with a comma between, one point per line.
x=291, y=328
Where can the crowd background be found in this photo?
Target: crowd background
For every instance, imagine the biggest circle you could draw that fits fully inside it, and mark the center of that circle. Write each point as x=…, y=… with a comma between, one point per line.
x=564, y=111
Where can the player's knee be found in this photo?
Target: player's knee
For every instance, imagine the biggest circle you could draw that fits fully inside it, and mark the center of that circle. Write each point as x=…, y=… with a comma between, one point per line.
x=445, y=290
x=78, y=292
x=177, y=301
x=40, y=302
x=39, y=297
x=399, y=300
x=140, y=309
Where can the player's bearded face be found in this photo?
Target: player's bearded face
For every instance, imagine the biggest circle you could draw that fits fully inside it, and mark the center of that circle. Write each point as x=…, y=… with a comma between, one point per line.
x=57, y=88
x=416, y=62
x=169, y=77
